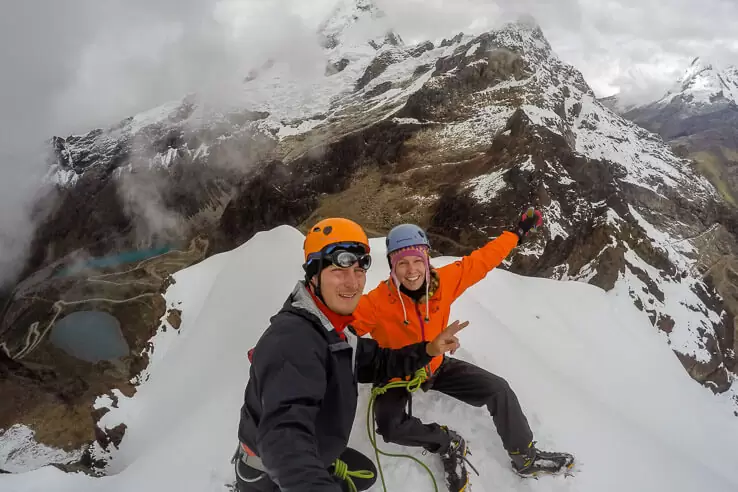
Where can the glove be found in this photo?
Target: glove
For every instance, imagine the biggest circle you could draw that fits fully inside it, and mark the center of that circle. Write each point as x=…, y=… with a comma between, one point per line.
x=531, y=220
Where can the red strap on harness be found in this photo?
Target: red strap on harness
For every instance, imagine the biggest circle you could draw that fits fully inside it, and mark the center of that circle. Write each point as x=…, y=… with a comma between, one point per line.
x=251, y=356
x=247, y=450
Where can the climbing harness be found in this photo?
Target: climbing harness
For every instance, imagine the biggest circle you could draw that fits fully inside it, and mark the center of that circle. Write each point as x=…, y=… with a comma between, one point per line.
x=411, y=386
x=340, y=469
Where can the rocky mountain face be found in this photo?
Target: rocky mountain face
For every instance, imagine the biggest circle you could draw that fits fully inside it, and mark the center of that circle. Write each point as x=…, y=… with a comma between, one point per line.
x=698, y=118
x=457, y=137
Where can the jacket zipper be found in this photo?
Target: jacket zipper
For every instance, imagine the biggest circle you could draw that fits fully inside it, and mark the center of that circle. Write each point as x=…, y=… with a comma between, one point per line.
x=420, y=318
x=422, y=333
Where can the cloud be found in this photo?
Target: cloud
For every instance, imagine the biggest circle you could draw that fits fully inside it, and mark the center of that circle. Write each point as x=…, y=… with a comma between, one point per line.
x=75, y=65
x=37, y=52
x=142, y=196
x=161, y=50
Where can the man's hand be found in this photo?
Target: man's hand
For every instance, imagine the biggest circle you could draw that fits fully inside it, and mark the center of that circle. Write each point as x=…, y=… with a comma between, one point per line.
x=446, y=341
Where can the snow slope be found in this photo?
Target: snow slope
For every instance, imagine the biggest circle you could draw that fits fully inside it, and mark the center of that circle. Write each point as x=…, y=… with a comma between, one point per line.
x=593, y=376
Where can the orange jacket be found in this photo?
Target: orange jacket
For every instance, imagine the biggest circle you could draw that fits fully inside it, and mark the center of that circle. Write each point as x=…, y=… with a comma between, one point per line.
x=379, y=312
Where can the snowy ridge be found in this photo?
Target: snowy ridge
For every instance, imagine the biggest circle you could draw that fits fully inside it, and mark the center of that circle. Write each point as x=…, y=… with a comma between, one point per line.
x=555, y=96
x=568, y=106
x=597, y=381
x=601, y=134
x=65, y=178
x=348, y=15
x=674, y=298
x=290, y=102
x=680, y=300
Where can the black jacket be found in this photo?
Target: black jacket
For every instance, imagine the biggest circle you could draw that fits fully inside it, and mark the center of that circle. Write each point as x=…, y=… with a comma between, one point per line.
x=300, y=401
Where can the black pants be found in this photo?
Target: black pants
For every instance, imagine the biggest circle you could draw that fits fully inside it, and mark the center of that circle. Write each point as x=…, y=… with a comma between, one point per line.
x=465, y=382
x=259, y=481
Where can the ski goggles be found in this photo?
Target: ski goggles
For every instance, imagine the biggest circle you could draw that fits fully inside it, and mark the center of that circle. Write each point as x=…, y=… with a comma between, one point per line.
x=345, y=259
x=344, y=256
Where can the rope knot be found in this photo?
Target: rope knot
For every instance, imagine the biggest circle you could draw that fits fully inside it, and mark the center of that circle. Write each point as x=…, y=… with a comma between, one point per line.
x=341, y=471
x=413, y=385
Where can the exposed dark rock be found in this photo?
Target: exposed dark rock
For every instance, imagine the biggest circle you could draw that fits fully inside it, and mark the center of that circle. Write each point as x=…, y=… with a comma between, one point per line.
x=99, y=413
x=379, y=65
x=86, y=464
x=421, y=69
x=379, y=89
x=452, y=41
x=240, y=118
x=334, y=68
x=665, y=323
x=112, y=436
x=713, y=373
x=453, y=211
x=270, y=198
x=175, y=318
x=392, y=39
x=421, y=48
x=439, y=101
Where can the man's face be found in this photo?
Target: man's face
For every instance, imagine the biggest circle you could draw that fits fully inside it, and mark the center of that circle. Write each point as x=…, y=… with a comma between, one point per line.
x=410, y=271
x=342, y=287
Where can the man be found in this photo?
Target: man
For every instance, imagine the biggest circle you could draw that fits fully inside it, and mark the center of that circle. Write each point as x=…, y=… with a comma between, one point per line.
x=300, y=401
x=413, y=305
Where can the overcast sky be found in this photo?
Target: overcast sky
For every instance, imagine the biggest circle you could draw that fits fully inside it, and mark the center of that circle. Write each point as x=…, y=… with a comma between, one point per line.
x=67, y=66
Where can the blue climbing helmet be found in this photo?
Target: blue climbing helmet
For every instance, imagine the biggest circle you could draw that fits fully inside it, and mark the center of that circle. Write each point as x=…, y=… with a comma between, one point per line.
x=405, y=235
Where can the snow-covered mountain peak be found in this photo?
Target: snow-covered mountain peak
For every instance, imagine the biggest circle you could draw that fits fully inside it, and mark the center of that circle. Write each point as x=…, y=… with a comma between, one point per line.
x=526, y=33
x=705, y=82
x=357, y=22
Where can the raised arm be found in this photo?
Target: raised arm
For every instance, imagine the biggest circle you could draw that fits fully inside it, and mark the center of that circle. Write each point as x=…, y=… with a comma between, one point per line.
x=469, y=270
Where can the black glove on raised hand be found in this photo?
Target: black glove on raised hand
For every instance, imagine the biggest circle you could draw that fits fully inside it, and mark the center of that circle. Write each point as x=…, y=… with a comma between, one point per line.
x=531, y=220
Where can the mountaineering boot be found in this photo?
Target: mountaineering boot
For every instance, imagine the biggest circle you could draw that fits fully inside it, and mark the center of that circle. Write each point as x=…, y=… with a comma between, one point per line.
x=532, y=461
x=454, y=462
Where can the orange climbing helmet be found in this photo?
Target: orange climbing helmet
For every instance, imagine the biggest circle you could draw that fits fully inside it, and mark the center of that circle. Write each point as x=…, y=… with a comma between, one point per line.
x=332, y=231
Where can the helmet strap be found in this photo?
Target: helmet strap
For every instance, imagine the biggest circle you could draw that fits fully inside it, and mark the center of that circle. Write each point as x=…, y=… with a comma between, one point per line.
x=316, y=286
x=318, y=293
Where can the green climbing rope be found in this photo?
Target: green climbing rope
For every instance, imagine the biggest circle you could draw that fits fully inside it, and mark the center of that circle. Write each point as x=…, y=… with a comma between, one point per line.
x=340, y=470
x=412, y=386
